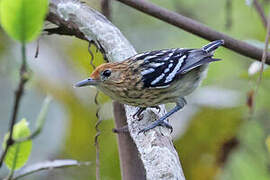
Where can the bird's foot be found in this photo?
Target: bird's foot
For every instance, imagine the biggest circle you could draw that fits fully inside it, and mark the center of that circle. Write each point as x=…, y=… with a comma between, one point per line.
x=162, y=121
x=139, y=114
x=159, y=122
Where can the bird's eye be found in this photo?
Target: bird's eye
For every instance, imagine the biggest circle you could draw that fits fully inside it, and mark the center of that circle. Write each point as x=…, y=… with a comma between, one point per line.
x=106, y=73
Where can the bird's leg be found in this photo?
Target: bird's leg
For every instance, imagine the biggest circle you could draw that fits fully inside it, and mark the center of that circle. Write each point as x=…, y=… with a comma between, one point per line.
x=139, y=113
x=163, y=120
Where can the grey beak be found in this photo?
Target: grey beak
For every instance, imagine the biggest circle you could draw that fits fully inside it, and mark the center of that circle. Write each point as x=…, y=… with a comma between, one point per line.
x=86, y=82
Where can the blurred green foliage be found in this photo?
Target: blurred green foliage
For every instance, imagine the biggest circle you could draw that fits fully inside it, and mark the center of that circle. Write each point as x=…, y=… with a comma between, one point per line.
x=218, y=143
x=200, y=146
x=251, y=160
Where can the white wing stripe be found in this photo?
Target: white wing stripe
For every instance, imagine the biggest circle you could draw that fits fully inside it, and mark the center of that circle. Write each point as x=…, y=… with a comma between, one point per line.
x=168, y=68
x=176, y=68
x=147, y=71
x=157, y=79
x=156, y=64
x=150, y=57
x=167, y=58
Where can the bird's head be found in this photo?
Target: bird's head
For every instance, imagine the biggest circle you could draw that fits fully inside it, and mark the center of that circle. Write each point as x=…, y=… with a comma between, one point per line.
x=107, y=74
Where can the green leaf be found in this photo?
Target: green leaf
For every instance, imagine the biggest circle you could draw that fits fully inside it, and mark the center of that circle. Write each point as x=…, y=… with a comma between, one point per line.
x=18, y=153
x=23, y=19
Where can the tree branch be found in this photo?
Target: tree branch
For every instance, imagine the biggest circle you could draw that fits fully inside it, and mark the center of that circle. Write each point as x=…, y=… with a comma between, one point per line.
x=62, y=30
x=156, y=150
x=106, y=8
x=197, y=28
x=131, y=165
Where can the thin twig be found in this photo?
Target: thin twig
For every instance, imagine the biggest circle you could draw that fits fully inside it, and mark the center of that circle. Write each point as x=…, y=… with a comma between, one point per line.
x=105, y=7
x=96, y=137
x=259, y=80
x=197, y=28
x=14, y=162
x=260, y=11
x=37, y=48
x=98, y=119
x=18, y=95
x=91, y=56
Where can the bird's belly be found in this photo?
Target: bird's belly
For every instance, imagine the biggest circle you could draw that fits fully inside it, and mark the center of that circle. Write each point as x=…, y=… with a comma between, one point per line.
x=149, y=97
x=187, y=83
x=143, y=98
x=129, y=97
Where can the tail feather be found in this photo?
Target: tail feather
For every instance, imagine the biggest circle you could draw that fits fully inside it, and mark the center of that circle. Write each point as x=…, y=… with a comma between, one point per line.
x=203, y=61
x=212, y=46
x=200, y=57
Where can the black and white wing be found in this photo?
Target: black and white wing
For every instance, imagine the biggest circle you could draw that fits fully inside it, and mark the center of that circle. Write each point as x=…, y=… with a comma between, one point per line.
x=160, y=68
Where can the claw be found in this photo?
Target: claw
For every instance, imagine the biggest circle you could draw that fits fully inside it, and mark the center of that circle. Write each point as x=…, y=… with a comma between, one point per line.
x=139, y=114
x=167, y=125
x=140, y=117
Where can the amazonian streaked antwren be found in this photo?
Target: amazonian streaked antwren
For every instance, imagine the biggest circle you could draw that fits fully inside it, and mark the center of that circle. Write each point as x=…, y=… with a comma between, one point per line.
x=152, y=78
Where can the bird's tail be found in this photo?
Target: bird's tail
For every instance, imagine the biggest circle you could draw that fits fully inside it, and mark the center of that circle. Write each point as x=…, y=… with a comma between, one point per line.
x=212, y=46
x=201, y=56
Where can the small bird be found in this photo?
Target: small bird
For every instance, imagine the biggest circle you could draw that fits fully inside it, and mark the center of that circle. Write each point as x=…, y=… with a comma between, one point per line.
x=155, y=77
